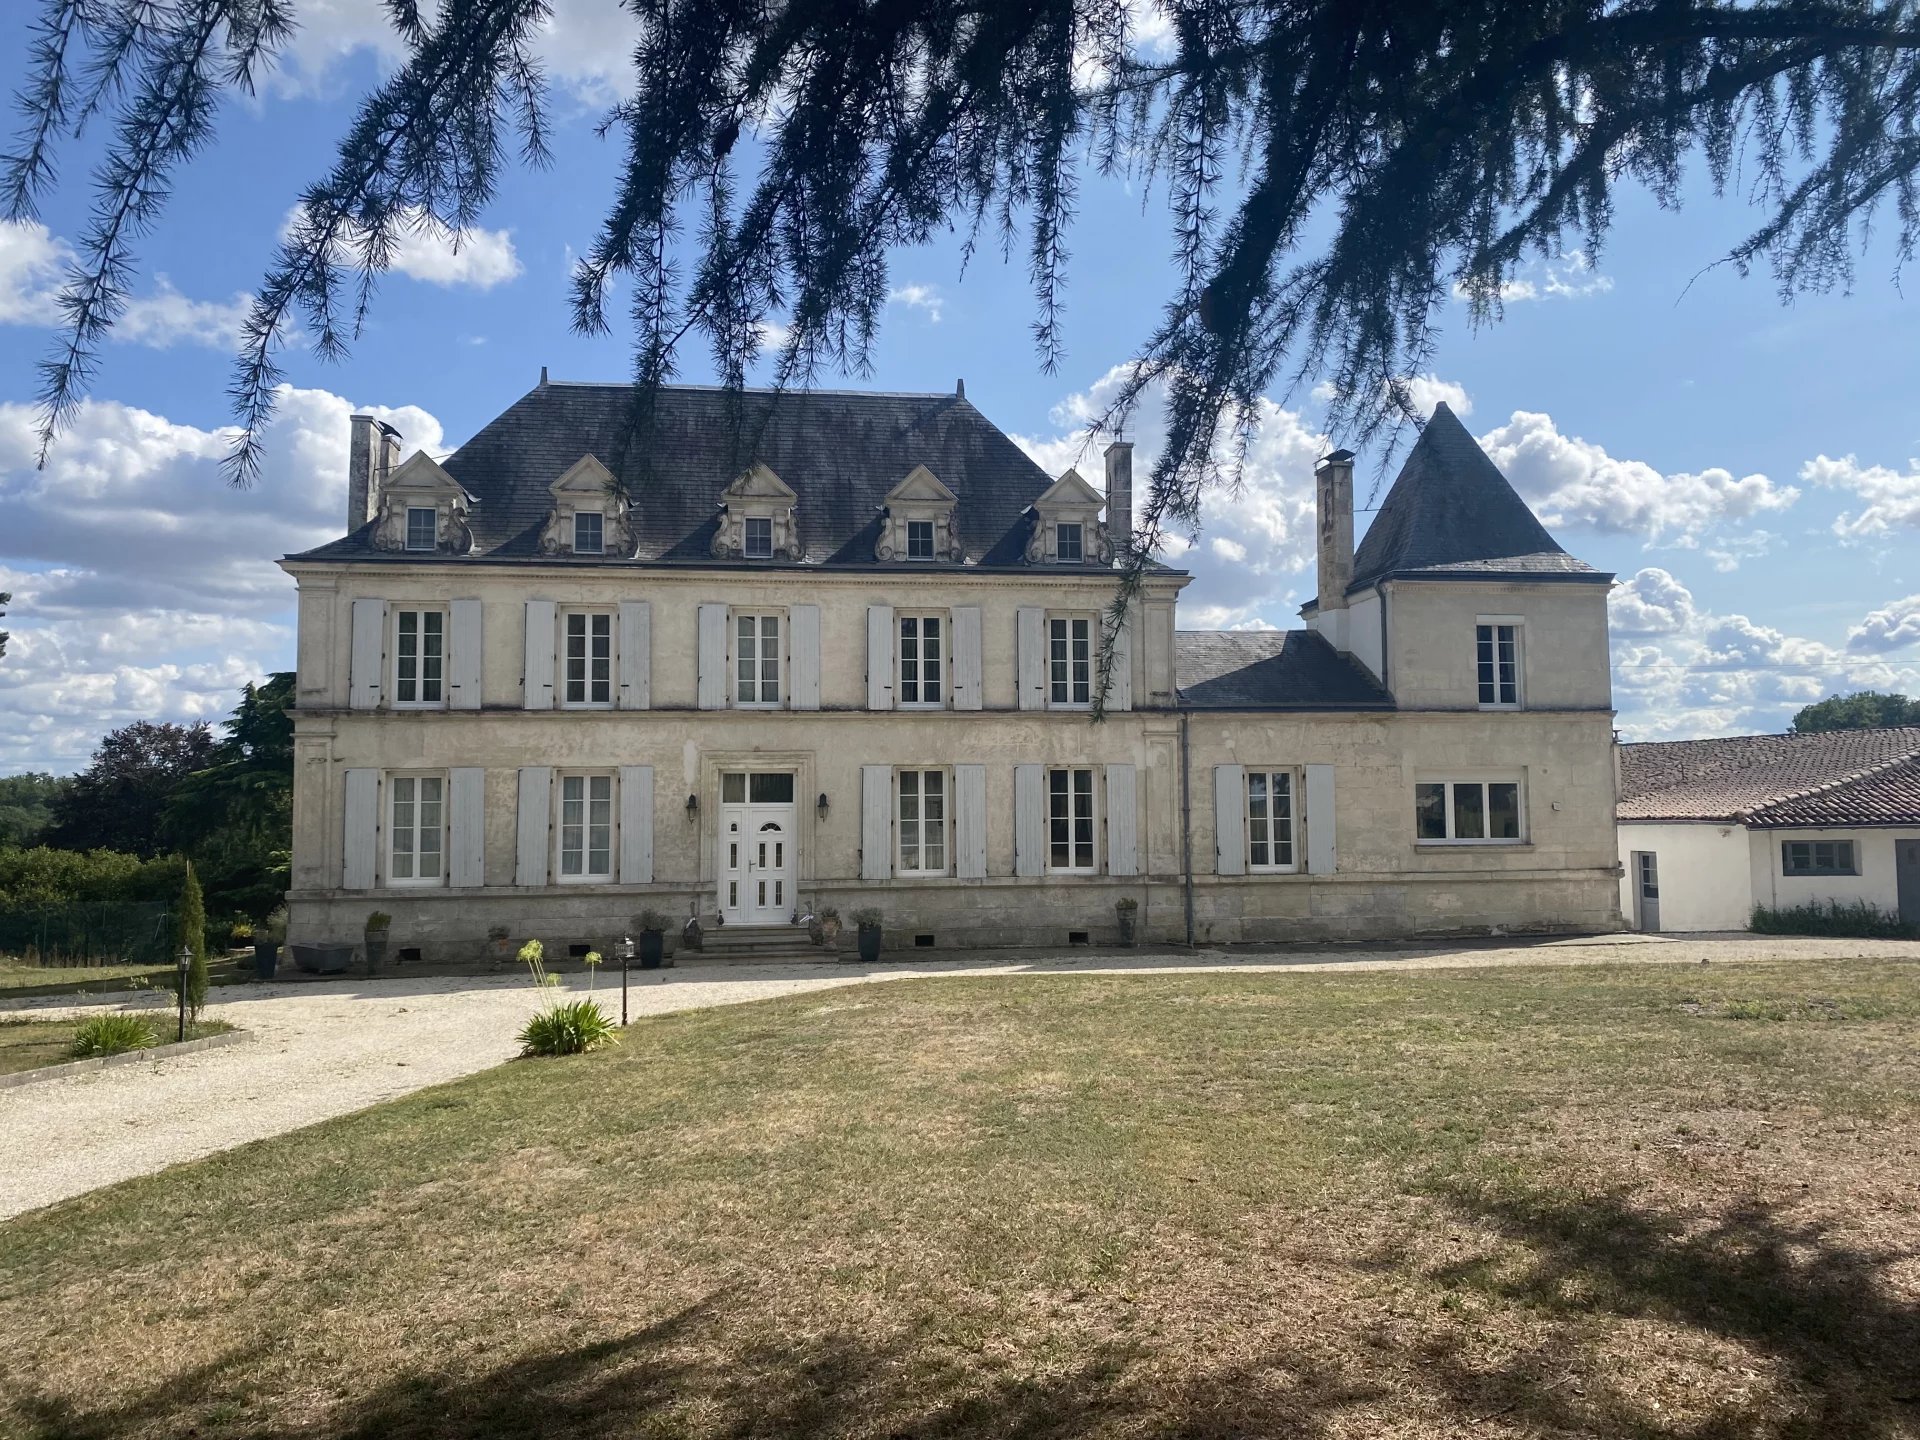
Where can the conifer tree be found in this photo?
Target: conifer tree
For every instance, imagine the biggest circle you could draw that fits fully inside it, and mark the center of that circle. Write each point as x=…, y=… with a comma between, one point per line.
x=190, y=933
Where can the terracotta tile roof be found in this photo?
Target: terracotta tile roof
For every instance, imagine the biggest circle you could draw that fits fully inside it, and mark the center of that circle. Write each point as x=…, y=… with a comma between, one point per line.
x=1270, y=670
x=1838, y=777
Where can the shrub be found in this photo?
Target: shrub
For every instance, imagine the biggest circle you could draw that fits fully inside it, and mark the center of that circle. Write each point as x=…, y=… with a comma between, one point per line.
x=1854, y=919
x=274, y=927
x=571, y=1029
x=651, y=920
x=111, y=1035
x=240, y=932
x=866, y=917
x=190, y=933
x=41, y=876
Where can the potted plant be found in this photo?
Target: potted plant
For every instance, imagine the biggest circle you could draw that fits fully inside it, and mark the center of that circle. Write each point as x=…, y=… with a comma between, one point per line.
x=266, y=944
x=499, y=944
x=869, y=923
x=1126, y=909
x=829, y=924
x=652, y=926
x=379, y=923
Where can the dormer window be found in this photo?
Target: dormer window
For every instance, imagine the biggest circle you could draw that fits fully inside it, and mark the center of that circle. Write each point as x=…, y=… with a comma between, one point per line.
x=920, y=540
x=917, y=522
x=589, y=515
x=1066, y=525
x=589, y=532
x=758, y=538
x=1068, y=543
x=422, y=527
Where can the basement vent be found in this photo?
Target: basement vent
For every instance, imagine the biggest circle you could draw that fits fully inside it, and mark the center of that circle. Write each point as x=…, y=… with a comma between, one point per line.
x=1076, y=937
x=409, y=955
x=574, y=952
x=924, y=942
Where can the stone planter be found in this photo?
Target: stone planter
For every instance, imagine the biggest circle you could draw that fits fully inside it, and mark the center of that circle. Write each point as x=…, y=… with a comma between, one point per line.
x=653, y=948
x=376, y=950
x=331, y=959
x=266, y=959
x=870, y=943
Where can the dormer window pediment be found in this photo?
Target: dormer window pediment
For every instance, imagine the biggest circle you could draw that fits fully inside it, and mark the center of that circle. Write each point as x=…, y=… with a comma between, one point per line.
x=917, y=521
x=1067, y=529
x=423, y=510
x=589, y=514
x=757, y=519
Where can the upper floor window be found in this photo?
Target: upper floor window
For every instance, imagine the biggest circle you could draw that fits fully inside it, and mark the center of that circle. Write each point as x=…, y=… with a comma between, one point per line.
x=920, y=540
x=757, y=538
x=1069, y=542
x=1070, y=820
x=587, y=655
x=1467, y=811
x=922, y=817
x=1497, y=643
x=921, y=659
x=589, y=532
x=416, y=830
x=1069, y=660
x=585, y=832
x=756, y=657
x=423, y=527
x=419, y=657
x=1270, y=820
x=1818, y=857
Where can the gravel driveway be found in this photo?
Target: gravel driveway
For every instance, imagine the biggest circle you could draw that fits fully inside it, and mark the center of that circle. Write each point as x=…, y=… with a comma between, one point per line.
x=326, y=1050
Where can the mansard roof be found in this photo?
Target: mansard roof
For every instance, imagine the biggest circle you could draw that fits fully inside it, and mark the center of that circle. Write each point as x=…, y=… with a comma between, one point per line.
x=841, y=453
x=1452, y=514
x=1271, y=670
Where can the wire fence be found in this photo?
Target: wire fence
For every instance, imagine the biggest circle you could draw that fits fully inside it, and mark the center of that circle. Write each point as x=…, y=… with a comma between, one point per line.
x=91, y=934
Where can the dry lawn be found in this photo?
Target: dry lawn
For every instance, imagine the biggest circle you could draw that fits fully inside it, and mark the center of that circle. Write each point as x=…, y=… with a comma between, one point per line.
x=1633, y=1202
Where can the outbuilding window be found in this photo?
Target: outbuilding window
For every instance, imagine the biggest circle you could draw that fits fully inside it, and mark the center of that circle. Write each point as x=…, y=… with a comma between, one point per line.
x=1818, y=857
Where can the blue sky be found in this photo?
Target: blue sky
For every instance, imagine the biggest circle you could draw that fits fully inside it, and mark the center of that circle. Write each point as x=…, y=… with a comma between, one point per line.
x=1746, y=467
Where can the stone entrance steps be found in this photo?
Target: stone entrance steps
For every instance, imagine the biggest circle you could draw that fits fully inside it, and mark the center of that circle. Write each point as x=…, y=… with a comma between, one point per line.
x=754, y=943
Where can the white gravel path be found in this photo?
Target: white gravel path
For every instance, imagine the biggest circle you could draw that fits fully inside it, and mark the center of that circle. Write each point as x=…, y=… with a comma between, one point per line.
x=326, y=1050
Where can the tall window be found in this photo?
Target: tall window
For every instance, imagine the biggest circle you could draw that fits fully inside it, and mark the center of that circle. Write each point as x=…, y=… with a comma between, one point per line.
x=1467, y=810
x=1818, y=857
x=923, y=822
x=756, y=659
x=920, y=539
x=1070, y=820
x=1068, y=542
x=759, y=538
x=589, y=532
x=423, y=530
x=920, y=659
x=1069, y=660
x=589, y=658
x=1498, y=648
x=586, y=827
x=419, y=657
x=1270, y=820
x=414, y=853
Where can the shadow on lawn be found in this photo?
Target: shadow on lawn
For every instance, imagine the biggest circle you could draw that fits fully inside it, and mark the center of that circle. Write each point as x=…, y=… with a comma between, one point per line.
x=1820, y=1308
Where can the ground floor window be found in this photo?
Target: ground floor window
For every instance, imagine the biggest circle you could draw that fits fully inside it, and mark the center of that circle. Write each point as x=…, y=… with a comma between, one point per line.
x=1818, y=857
x=1270, y=820
x=416, y=830
x=1070, y=820
x=586, y=827
x=1485, y=811
x=921, y=821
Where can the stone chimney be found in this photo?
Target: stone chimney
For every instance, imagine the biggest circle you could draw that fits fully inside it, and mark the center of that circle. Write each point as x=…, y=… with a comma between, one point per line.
x=1333, y=513
x=362, y=457
x=390, y=462
x=1120, y=496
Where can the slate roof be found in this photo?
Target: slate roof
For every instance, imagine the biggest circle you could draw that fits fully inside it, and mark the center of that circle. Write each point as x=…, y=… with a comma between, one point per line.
x=1451, y=513
x=840, y=451
x=1833, y=778
x=1270, y=670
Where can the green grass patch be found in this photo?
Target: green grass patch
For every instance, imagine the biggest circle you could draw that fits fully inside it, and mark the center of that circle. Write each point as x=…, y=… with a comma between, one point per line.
x=1854, y=919
x=31, y=1044
x=1508, y=1201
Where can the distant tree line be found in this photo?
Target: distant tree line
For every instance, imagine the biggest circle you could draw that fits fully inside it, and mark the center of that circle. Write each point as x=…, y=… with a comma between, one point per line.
x=1863, y=710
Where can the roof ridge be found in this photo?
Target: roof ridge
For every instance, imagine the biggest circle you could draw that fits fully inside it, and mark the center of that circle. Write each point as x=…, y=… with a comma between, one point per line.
x=750, y=390
x=1864, y=773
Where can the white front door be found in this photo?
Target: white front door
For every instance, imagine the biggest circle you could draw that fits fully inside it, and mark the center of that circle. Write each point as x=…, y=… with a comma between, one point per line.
x=756, y=847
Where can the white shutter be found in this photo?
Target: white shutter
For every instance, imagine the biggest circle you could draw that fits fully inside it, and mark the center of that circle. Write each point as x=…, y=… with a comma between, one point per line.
x=879, y=657
x=970, y=821
x=713, y=657
x=1029, y=821
x=803, y=630
x=876, y=822
x=1230, y=819
x=1320, y=850
x=966, y=659
x=636, y=655
x=464, y=652
x=636, y=824
x=538, y=671
x=361, y=832
x=1030, y=655
x=536, y=797
x=1123, y=822
x=368, y=667
x=466, y=826
x=1120, y=682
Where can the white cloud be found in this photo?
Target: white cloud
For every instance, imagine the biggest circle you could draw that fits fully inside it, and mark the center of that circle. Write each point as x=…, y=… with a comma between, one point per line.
x=1427, y=391
x=144, y=586
x=31, y=260
x=1891, y=498
x=1570, y=481
x=1729, y=553
x=167, y=317
x=1890, y=628
x=1571, y=277
x=924, y=298
x=427, y=250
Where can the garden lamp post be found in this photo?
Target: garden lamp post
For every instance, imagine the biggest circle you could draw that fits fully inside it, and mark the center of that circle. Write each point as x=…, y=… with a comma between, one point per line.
x=626, y=959
x=185, y=963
